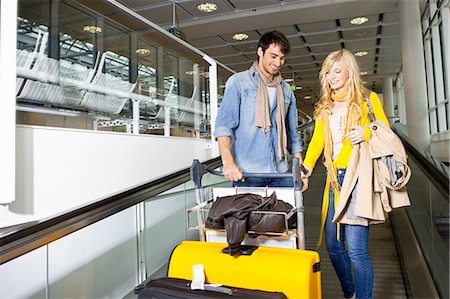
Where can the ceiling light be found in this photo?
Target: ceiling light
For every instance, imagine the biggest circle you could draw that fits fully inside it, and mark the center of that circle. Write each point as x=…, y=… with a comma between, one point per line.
x=240, y=36
x=207, y=7
x=92, y=29
x=289, y=80
x=361, y=53
x=307, y=97
x=363, y=73
x=143, y=51
x=359, y=20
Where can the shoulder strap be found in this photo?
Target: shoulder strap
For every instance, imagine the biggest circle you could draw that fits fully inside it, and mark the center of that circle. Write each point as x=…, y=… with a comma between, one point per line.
x=369, y=104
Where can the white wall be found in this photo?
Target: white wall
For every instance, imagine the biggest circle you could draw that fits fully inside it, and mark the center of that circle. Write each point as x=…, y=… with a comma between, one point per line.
x=58, y=169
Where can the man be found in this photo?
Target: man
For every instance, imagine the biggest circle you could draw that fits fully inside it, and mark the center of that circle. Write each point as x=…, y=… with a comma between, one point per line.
x=257, y=122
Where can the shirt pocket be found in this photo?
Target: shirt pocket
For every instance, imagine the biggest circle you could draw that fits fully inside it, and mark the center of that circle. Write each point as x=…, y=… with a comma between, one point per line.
x=248, y=103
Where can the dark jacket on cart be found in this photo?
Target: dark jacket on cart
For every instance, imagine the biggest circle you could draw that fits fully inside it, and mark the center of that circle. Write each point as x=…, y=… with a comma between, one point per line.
x=234, y=214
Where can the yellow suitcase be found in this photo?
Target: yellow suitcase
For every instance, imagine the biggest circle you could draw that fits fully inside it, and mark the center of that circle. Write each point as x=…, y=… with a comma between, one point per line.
x=294, y=272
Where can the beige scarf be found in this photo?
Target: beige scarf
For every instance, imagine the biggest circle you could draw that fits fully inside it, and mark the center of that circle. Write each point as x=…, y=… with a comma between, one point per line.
x=351, y=119
x=262, y=117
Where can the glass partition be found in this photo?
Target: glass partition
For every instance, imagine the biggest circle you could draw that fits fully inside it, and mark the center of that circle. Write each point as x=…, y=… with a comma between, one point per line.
x=109, y=258
x=110, y=73
x=429, y=216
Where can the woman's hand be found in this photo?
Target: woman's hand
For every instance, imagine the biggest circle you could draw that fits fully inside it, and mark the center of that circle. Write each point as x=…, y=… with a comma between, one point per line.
x=305, y=178
x=305, y=182
x=356, y=135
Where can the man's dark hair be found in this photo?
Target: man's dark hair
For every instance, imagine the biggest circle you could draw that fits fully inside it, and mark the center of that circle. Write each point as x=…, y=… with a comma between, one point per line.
x=274, y=37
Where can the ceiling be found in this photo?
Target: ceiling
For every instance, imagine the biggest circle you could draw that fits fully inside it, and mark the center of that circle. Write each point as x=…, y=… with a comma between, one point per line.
x=313, y=27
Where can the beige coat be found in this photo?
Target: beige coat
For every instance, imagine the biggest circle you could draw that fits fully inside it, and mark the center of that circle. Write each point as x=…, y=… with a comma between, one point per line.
x=371, y=202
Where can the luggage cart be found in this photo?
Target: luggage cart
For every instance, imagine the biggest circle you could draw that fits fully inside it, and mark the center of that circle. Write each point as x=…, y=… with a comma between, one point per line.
x=262, y=271
x=290, y=238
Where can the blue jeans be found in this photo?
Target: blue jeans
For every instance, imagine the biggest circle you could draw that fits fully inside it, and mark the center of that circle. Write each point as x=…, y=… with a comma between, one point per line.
x=263, y=182
x=357, y=255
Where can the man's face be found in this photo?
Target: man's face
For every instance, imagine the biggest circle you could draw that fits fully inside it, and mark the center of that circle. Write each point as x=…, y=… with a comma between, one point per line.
x=271, y=61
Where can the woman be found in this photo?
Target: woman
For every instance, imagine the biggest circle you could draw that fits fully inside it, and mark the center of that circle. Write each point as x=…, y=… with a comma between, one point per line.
x=341, y=116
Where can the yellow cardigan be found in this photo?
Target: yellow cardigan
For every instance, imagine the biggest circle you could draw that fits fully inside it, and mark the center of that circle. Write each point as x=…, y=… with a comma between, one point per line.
x=316, y=147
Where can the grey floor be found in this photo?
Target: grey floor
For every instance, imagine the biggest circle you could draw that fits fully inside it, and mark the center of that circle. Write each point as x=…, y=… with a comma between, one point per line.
x=388, y=281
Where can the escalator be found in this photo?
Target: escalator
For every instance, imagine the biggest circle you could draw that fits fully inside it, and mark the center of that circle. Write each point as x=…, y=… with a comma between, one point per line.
x=106, y=248
x=388, y=280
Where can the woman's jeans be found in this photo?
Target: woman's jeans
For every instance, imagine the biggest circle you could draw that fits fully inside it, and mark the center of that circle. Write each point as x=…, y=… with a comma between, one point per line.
x=357, y=239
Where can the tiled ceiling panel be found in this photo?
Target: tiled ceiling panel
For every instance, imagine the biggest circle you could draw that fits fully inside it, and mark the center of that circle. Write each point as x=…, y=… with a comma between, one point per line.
x=312, y=39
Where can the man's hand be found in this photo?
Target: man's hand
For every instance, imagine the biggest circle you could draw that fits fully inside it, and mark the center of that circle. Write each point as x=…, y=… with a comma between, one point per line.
x=232, y=172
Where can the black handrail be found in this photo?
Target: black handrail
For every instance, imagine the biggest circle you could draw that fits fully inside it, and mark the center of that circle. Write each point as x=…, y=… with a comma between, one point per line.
x=437, y=176
x=25, y=239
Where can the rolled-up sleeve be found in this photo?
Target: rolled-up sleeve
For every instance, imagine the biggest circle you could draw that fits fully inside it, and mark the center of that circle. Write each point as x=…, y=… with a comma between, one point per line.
x=228, y=117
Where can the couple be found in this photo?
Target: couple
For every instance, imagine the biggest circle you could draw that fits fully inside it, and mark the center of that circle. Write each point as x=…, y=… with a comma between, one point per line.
x=257, y=126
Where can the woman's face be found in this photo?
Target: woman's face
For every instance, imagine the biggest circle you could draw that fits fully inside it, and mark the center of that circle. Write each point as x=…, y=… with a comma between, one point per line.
x=337, y=77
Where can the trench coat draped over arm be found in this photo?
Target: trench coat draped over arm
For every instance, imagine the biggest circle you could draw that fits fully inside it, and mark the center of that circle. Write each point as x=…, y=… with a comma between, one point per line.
x=379, y=171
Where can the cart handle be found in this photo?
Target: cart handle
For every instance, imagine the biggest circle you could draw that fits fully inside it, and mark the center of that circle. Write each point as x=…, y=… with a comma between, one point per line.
x=199, y=169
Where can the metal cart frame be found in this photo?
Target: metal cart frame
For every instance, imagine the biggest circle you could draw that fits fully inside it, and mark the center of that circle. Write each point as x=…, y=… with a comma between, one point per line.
x=198, y=169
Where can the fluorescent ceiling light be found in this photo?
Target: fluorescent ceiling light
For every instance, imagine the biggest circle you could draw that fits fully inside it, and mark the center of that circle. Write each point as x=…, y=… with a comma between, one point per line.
x=92, y=29
x=361, y=53
x=207, y=7
x=307, y=97
x=359, y=20
x=143, y=51
x=240, y=36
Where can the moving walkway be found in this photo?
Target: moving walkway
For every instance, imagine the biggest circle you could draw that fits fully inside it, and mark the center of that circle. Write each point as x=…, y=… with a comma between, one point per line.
x=108, y=247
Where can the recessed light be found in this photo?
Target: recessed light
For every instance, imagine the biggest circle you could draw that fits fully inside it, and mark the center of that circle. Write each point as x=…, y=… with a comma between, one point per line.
x=361, y=53
x=92, y=29
x=143, y=51
x=240, y=36
x=359, y=20
x=207, y=7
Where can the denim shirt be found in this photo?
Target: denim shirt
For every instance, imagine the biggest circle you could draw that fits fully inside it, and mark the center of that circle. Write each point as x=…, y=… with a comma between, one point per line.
x=254, y=151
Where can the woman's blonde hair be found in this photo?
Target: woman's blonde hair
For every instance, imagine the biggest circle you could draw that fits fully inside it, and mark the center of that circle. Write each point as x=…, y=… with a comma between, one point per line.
x=354, y=84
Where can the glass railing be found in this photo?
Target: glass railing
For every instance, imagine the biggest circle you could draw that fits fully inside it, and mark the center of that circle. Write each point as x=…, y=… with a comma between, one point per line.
x=101, y=250
x=77, y=62
x=429, y=216
x=429, y=213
